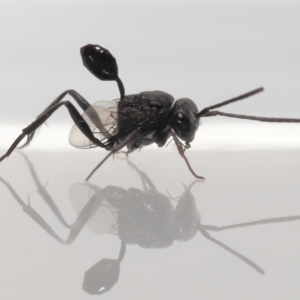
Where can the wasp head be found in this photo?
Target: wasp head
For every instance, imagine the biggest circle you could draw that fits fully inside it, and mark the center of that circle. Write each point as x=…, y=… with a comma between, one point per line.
x=184, y=120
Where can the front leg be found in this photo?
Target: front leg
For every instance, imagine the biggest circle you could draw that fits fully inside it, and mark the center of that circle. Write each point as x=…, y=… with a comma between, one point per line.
x=181, y=151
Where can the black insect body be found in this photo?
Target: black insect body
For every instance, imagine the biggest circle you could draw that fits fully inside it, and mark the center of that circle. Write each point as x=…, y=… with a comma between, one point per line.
x=138, y=120
x=133, y=121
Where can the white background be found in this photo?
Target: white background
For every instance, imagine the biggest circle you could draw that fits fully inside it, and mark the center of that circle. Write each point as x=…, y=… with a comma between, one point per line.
x=208, y=51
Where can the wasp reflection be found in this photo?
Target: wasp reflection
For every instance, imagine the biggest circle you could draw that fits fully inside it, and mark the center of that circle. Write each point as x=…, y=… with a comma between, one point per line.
x=144, y=217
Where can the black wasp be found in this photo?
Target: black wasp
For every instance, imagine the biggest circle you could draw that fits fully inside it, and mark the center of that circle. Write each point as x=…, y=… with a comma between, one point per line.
x=134, y=120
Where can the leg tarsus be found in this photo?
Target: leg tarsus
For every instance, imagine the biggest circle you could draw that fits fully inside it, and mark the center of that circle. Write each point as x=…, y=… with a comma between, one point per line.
x=13, y=146
x=181, y=151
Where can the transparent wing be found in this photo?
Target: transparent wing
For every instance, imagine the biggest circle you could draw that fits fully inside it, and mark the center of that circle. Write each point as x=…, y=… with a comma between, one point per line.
x=102, y=119
x=103, y=217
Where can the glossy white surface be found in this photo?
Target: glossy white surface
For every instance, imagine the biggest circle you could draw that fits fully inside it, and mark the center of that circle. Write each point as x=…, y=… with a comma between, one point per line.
x=240, y=186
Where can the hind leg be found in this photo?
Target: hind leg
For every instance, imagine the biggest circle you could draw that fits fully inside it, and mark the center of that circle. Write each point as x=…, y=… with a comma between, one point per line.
x=81, y=101
x=75, y=115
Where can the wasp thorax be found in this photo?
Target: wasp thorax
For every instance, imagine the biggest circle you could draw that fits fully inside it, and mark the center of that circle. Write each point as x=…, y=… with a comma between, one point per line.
x=99, y=62
x=184, y=121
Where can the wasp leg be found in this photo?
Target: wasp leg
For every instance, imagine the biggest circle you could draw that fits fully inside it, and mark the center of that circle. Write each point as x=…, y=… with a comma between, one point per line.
x=114, y=150
x=144, y=177
x=82, y=102
x=181, y=152
x=77, y=118
x=126, y=152
x=99, y=165
x=75, y=229
x=43, y=192
x=31, y=212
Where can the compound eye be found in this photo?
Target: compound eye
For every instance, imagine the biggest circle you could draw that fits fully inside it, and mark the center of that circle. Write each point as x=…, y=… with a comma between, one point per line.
x=183, y=124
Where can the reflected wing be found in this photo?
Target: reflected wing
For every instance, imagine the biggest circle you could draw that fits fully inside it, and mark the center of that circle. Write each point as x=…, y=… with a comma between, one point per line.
x=103, y=216
x=102, y=119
